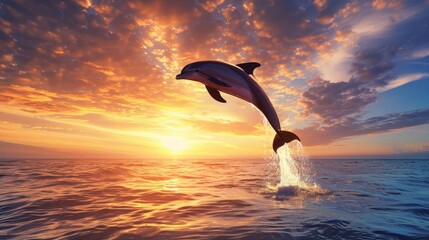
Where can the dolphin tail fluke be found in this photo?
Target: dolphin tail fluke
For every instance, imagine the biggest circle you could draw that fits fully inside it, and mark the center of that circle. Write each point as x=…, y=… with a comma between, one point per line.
x=283, y=137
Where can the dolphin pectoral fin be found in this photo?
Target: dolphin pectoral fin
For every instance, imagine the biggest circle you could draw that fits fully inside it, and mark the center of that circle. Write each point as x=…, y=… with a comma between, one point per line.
x=218, y=82
x=249, y=67
x=283, y=137
x=215, y=94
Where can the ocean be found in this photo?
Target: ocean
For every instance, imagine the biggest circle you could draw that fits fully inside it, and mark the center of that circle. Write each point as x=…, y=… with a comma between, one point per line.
x=212, y=199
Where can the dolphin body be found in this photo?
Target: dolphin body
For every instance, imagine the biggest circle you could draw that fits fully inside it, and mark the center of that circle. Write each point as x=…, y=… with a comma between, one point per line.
x=237, y=80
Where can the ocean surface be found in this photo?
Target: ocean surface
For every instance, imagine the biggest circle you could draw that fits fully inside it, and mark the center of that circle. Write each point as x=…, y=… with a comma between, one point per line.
x=212, y=199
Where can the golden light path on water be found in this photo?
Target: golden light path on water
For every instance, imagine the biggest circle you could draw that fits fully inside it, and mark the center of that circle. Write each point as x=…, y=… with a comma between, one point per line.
x=207, y=199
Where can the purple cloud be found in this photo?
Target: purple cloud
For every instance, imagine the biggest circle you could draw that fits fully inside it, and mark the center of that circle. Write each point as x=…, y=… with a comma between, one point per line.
x=324, y=134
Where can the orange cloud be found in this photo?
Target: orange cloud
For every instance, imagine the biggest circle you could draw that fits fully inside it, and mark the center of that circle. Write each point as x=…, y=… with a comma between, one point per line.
x=106, y=73
x=380, y=4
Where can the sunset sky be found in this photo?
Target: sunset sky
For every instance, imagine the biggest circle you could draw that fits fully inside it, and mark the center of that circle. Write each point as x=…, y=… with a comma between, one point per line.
x=96, y=79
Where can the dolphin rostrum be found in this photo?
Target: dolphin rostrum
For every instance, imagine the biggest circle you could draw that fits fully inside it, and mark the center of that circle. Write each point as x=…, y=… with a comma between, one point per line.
x=237, y=80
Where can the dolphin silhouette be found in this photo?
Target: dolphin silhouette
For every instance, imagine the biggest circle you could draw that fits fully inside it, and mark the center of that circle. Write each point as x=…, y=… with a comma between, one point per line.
x=237, y=80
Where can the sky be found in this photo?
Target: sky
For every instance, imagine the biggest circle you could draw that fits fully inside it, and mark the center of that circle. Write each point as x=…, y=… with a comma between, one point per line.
x=96, y=79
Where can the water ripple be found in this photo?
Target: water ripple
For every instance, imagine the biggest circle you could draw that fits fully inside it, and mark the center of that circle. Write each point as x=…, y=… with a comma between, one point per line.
x=216, y=199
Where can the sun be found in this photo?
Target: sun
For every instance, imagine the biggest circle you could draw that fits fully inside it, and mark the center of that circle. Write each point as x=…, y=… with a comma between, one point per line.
x=175, y=144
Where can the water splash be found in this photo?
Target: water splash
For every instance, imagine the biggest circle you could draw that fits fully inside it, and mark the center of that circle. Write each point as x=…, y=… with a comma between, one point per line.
x=290, y=167
x=294, y=166
x=291, y=175
x=290, y=172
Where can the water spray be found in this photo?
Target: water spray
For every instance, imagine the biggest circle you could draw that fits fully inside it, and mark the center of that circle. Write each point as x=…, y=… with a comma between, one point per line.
x=290, y=167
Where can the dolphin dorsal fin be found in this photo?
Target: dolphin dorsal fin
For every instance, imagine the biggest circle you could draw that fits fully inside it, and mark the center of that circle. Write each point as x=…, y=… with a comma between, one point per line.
x=249, y=67
x=215, y=94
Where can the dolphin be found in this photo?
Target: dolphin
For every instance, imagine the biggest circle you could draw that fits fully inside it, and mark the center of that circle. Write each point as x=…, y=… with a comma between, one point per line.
x=239, y=81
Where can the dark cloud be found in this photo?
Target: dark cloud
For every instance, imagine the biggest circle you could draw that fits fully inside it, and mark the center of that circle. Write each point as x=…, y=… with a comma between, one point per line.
x=328, y=9
x=372, y=68
x=322, y=134
x=51, y=44
x=167, y=12
x=339, y=105
x=395, y=121
x=332, y=101
x=295, y=19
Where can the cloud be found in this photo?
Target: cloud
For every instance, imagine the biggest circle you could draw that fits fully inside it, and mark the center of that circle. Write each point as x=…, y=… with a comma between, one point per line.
x=332, y=101
x=380, y=4
x=109, y=57
x=230, y=127
x=327, y=10
x=369, y=29
x=13, y=150
x=110, y=65
x=402, y=80
x=335, y=66
x=339, y=104
x=372, y=68
x=322, y=134
x=421, y=53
